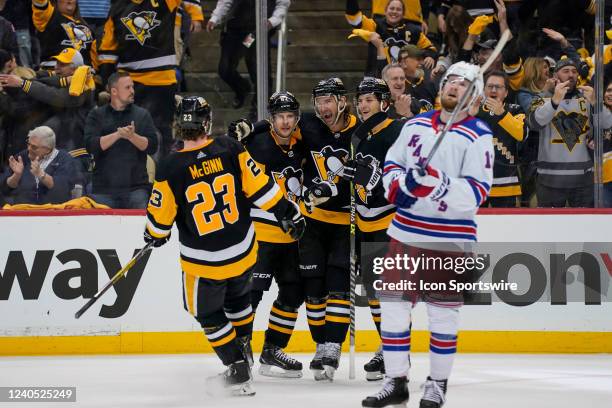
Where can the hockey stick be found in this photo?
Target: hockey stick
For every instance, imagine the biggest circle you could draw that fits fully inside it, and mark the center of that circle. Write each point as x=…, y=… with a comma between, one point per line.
x=120, y=274
x=451, y=121
x=353, y=275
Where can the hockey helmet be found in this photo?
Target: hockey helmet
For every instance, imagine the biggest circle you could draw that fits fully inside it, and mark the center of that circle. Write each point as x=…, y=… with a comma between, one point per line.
x=330, y=86
x=283, y=101
x=470, y=73
x=193, y=113
x=376, y=86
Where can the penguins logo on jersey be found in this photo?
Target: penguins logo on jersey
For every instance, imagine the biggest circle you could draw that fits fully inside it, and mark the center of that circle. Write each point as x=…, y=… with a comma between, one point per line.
x=329, y=163
x=78, y=35
x=362, y=193
x=570, y=126
x=140, y=25
x=395, y=46
x=290, y=182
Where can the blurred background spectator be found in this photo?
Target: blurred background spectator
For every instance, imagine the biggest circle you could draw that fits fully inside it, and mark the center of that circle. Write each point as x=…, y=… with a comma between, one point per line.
x=41, y=174
x=59, y=25
x=238, y=42
x=19, y=14
x=119, y=135
x=95, y=13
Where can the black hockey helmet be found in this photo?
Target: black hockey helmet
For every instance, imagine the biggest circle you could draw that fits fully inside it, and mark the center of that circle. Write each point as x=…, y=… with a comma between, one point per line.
x=193, y=113
x=329, y=86
x=283, y=101
x=376, y=86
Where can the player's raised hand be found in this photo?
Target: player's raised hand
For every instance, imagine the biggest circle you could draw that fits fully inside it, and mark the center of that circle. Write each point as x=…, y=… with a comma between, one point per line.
x=240, y=129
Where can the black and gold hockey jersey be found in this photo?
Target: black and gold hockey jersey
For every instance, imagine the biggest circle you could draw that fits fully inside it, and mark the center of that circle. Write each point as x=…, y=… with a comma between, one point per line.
x=57, y=31
x=283, y=165
x=139, y=38
x=509, y=129
x=324, y=153
x=371, y=141
x=394, y=37
x=208, y=191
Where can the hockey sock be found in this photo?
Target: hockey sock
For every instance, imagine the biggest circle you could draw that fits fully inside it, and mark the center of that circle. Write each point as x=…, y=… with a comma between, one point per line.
x=223, y=340
x=337, y=317
x=443, y=325
x=242, y=320
x=395, y=335
x=375, y=310
x=281, y=324
x=442, y=350
x=256, y=296
x=315, y=312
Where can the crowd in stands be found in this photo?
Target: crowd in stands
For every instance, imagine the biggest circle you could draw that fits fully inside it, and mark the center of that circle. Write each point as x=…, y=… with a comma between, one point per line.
x=87, y=87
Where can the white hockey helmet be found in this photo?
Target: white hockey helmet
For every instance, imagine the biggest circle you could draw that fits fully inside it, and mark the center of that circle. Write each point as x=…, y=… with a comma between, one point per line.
x=469, y=72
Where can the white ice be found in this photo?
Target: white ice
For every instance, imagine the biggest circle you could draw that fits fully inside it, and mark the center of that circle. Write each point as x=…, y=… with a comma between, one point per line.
x=478, y=380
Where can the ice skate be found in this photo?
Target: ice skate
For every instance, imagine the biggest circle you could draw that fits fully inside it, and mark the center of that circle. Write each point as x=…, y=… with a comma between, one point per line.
x=331, y=359
x=393, y=393
x=316, y=365
x=235, y=381
x=375, y=368
x=434, y=393
x=276, y=363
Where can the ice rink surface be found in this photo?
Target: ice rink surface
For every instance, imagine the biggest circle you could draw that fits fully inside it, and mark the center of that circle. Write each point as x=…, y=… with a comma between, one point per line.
x=478, y=380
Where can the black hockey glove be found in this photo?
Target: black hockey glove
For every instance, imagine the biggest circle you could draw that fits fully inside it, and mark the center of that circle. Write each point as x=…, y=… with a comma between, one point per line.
x=240, y=130
x=292, y=222
x=362, y=173
x=318, y=194
x=157, y=242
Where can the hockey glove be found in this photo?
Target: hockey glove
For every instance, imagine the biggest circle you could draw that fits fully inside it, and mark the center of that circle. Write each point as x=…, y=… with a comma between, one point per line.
x=157, y=242
x=240, y=129
x=292, y=222
x=362, y=173
x=433, y=184
x=318, y=194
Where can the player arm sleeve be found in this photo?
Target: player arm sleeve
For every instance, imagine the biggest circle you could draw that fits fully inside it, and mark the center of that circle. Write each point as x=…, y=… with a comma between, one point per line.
x=394, y=170
x=161, y=209
x=260, y=189
x=467, y=192
x=42, y=10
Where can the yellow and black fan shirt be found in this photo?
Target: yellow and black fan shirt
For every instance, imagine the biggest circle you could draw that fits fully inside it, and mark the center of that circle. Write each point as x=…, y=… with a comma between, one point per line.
x=208, y=191
x=139, y=39
x=283, y=165
x=509, y=130
x=57, y=31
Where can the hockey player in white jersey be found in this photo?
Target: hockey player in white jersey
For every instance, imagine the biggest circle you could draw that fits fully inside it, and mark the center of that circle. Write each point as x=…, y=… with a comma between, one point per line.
x=437, y=205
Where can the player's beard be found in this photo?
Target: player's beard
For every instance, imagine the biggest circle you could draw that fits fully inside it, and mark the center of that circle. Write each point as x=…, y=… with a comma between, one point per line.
x=448, y=104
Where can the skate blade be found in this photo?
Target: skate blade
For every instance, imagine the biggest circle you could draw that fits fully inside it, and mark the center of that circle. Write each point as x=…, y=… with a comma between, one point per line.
x=321, y=375
x=272, y=371
x=329, y=372
x=374, y=375
x=242, y=390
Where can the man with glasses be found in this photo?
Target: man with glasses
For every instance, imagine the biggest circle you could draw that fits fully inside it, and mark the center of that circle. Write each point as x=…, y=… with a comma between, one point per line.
x=41, y=174
x=507, y=121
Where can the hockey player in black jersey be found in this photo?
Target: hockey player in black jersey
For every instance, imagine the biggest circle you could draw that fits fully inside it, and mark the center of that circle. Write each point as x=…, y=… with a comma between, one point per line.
x=208, y=189
x=324, y=248
x=277, y=151
x=371, y=140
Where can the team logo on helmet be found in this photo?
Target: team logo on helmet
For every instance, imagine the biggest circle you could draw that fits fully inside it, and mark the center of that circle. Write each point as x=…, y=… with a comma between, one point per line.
x=329, y=163
x=290, y=182
x=78, y=35
x=140, y=25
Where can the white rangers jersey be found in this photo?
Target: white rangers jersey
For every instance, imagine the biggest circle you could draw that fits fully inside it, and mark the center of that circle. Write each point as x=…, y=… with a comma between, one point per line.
x=465, y=155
